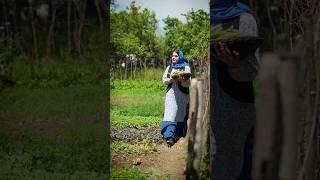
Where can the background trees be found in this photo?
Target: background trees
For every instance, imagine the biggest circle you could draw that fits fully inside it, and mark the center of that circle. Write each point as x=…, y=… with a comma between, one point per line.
x=39, y=33
x=133, y=32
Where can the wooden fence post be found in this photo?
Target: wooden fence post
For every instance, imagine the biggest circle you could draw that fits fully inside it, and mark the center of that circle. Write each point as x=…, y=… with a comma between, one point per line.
x=198, y=127
x=193, y=114
x=198, y=136
x=290, y=116
x=276, y=128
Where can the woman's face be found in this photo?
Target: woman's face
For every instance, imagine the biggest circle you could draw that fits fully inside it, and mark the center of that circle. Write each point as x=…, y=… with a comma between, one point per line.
x=175, y=58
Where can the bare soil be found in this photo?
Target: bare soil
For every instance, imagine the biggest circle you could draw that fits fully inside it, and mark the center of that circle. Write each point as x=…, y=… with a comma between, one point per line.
x=168, y=163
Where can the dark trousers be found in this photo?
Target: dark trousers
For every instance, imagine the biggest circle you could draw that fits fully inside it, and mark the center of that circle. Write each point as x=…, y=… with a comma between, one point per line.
x=248, y=153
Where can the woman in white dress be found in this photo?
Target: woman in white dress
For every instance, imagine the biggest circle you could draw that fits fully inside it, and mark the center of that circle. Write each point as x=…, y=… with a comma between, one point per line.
x=174, y=124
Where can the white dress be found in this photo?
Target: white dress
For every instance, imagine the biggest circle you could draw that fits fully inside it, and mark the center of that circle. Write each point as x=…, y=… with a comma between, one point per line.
x=176, y=101
x=174, y=124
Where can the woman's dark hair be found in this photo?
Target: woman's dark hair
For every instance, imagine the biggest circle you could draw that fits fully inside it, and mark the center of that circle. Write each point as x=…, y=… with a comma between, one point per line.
x=176, y=50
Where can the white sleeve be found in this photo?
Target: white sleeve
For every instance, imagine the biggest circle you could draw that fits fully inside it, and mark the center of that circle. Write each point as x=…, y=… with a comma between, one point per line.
x=165, y=79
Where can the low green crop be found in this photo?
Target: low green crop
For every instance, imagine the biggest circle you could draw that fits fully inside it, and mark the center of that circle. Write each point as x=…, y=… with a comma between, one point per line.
x=127, y=173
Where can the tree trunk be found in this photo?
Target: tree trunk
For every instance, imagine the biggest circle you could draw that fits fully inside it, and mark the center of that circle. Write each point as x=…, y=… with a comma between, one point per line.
x=274, y=31
x=125, y=70
x=99, y=14
x=164, y=63
x=51, y=30
x=6, y=20
x=120, y=67
x=135, y=69
x=145, y=68
x=14, y=17
x=131, y=68
x=69, y=25
x=76, y=24
x=34, y=32
x=82, y=14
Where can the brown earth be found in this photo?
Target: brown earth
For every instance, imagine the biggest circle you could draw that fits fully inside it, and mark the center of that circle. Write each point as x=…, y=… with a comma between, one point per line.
x=168, y=163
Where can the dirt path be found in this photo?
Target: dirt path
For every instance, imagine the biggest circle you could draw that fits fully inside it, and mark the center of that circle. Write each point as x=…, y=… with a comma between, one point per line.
x=169, y=163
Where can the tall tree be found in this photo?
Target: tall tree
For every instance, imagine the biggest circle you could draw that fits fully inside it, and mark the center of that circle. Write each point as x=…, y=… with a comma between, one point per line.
x=192, y=37
x=133, y=32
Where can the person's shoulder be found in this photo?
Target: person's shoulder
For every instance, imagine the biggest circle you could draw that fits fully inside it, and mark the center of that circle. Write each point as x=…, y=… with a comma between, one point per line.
x=247, y=17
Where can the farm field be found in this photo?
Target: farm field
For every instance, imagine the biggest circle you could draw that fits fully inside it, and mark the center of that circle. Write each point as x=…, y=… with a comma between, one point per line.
x=54, y=133
x=137, y=148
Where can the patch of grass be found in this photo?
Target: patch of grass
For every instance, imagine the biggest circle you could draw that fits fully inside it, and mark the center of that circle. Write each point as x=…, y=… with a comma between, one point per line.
x=39, y=174
x=150, y=86
x=123, y=121
x=137, y=104
x=149, y=74
x=154, y=109
x=127, y=173
x=78, y=150
x=60, y=72
x=58, y=104
x=144, y=147
x=155, y=174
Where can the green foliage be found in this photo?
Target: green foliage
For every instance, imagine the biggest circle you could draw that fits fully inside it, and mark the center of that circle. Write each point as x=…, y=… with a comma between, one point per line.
x=148, y=74
x=7, y=52
x=60, y=73
x=67, y=155
x=133, y=32
x=138, y=84
x=66, y=103
x=205, y=165
x=72, y=143
x=137, y=104
x=127, y=173
x=192, y=37
x=144, y=147
x=122, y=121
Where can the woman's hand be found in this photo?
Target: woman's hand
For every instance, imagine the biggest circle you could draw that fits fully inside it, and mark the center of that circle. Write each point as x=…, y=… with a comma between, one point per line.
x=180, y=79
x=232, y=59
x=173, y=80
x=177, y=79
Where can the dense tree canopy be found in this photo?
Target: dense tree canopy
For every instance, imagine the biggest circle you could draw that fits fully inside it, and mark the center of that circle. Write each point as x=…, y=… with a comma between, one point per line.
x=192, y=36
x=134, y=32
